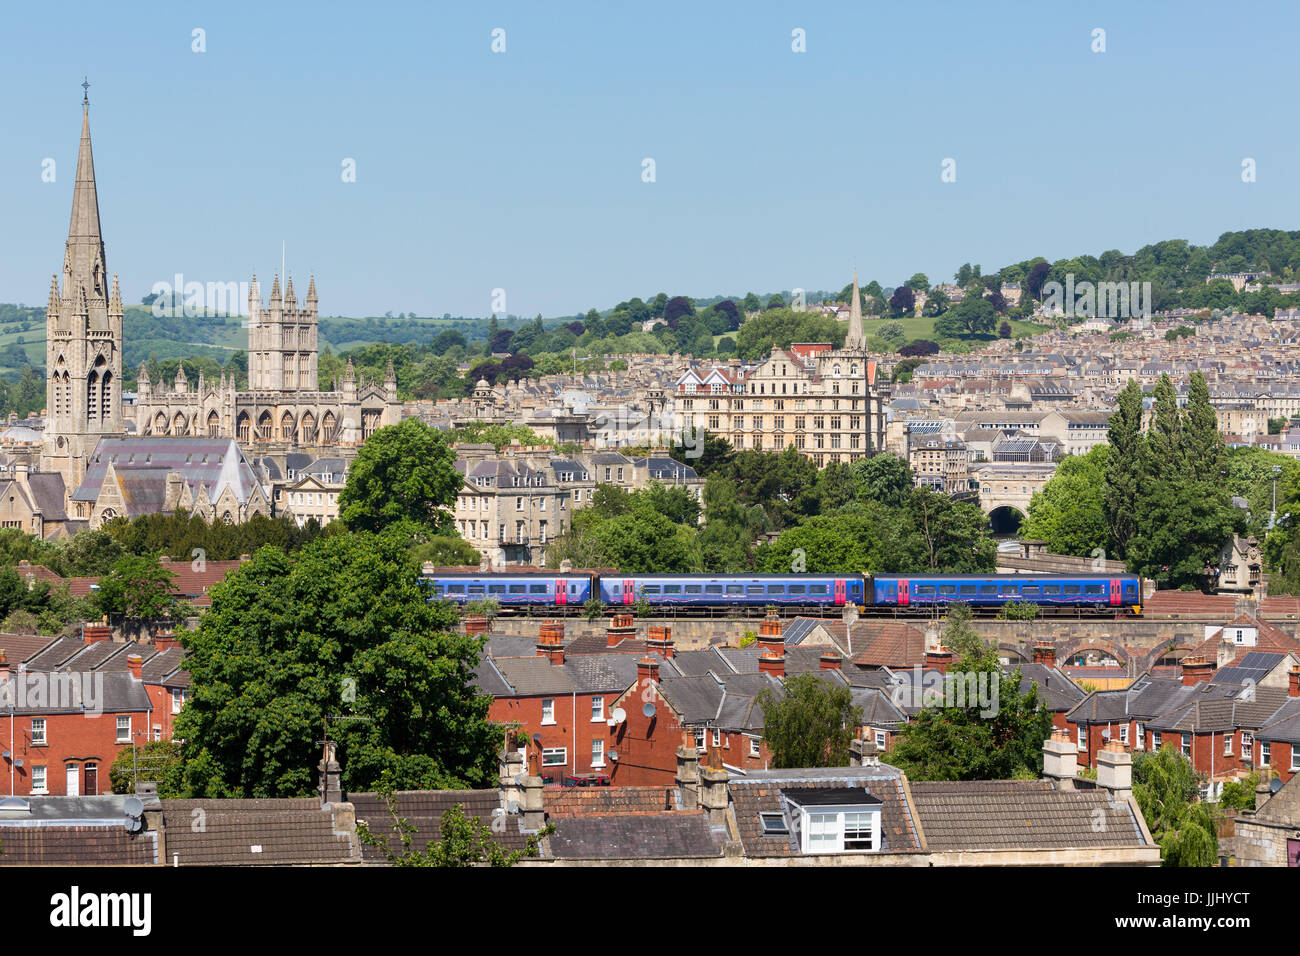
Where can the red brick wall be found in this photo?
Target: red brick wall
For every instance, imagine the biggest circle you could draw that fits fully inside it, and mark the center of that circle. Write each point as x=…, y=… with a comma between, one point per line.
x=574, y=735
x=71, y=738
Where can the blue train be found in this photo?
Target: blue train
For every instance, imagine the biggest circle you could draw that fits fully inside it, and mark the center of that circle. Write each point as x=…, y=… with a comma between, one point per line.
x=796, y=590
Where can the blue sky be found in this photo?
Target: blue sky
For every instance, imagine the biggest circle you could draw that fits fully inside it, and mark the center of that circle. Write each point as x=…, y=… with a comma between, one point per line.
x=522, y=170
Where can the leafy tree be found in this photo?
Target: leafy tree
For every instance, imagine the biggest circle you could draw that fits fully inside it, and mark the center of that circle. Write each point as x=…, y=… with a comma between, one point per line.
x=951, y=534
x=1069, y=512
x=343, y=629
x=884, y=478
x=677, y=307
x=811, y=724
x=156, y=760
x=702, y=450
x=138, y=586
x=902, y=302
x=1166, y=787
x=462, y=841
x=446, y=550
x=1125, y=468
x=645, y=541
x=404, y=472
x=976, y=314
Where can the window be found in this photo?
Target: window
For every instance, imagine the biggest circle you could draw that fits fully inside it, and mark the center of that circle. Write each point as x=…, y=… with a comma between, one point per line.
x=1155, y=740
x=1295, y=757
x=1123, y=734
x=699, y=738
x=38, y=780
x=1083, y=738
x=555, y=756
x=598, y=753
x=38, y=731
x=753, y=747
x=774, y=824
x=548, y=710
x=823, y=832
x=124, y=730
x=1187, y=745
x=881, y=738
x=1265, y=752
x=1227, y=745
x=859, y=831
x=717, y=737
x=1247, y=744
x=597, y=708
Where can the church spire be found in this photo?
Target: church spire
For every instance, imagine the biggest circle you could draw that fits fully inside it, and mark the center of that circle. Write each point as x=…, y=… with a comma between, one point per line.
x=855, y=339
x=84, y=264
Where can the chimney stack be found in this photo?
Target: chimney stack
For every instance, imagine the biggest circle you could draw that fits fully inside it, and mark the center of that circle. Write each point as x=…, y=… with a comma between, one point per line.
x=4, y=666
x=94, y=633
x=1115, y=769
x=1045, y=653
x=1060, y=757
x=328, y=771
x=939, y=659
x=165, y=642
x=1196, y=669
x=770, y=640
x=688, y=772
x=830, y=661
x=550, y=641
x=1293, y=683
x=713, y=789
x=660, y=640
x=772, y=665
x=510, y=774
x=134, y=665
x=622, y=627
x=476, y=624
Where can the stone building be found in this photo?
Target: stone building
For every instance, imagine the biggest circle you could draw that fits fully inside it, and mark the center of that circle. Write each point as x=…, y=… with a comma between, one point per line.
x=825, y=402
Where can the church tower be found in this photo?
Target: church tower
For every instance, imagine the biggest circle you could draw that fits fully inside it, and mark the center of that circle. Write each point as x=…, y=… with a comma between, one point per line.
x=282, y=339
x=83, y=324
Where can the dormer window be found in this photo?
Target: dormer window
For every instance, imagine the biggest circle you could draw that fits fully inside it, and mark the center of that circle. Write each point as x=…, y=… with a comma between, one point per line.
x=835, y=820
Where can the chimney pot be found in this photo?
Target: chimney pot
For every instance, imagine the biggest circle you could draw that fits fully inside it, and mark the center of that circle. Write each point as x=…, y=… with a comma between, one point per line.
x=939, y=659
x=1293, y=683
x=134, y=664
x=1196, y=670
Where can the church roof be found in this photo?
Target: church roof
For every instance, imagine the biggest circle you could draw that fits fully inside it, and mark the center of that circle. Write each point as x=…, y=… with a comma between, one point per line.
x=213, y=463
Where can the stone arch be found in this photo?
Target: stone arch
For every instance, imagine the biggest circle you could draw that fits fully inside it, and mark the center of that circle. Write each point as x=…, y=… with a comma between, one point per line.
x=94, y=389
x=329, y=428
x=1006, y=519
x=370, y=420
x=160, y=424
x=214, y=425
x=288, y=430
x=243, y=427
x=265, y=426
x=307, y=428
x=179, y=425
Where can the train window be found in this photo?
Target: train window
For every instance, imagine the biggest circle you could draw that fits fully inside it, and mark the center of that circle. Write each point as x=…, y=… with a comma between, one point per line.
x=537, y=589
x=989, y=589
x=925, y=590
x=713, y=589
x=1049, y=589
x=672, y=589
x=754, y=590
x=1030, y=590
x=1072, y=589
x=455, y=589
x=948, y=589
x=476, y=589
x=776, y=589
x=819, y=589
x=694, y=589
x=516, y=589
x=650, y=589
x=798, y=589
x=735, y=589
x=496, y=589
x=1011, y=589
x=1094, y=589
x=967, y=589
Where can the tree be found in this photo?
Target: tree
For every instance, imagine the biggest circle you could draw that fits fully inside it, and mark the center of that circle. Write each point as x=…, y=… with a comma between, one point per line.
x=702, y=450
x=138, y=586
x=462, y=841
x=1004, y=330
x=156, y=760
x=902, y=302
x=811, y=724
x=644, y=541
x=951, y=534
x=885, y=478
x=344, y=629
x=891, y=331
x=445, y=550
x=1124, y=467
x=1166, y=788
x=975, y=313
x=677, y=307
x=404, y=472
x=1069, y=513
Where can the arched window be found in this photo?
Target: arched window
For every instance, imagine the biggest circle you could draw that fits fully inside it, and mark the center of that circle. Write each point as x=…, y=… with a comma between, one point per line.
x=92, y=396
x=179, y=425
x=214, y=425
x=243, y=426
x=308, y=429
x=328, y=428
x=160, y=424
x=264, y=427
x=287, y=427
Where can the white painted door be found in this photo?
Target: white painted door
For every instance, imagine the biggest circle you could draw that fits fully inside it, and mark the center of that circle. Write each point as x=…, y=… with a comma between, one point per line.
x=74, y=780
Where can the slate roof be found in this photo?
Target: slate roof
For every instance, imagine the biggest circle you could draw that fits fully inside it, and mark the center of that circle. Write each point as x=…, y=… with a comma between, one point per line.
x=646, y=837
x=48, y=491
x=1057, y=692
x=594, y=673
x=214, y=463
x=24, y=647
x=1284, y=724
x=73, y=693
x=567, y=802
x=1019, y=815
x=258, y=832
x=424, y=809
x=77, y=846
x=760, y=791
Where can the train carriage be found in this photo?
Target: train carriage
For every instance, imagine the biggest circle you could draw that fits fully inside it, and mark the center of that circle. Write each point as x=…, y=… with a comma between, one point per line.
x=512, y=590
x=1047, y=590
x=705, y=590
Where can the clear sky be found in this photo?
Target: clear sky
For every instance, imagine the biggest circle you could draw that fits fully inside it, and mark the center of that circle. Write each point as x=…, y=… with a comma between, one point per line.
x=522, y=170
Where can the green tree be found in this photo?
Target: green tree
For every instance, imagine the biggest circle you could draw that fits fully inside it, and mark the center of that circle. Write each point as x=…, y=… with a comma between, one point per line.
x=404, y=472
x=1166, y=788
x=811, y=724
x=1125, y=468
x=156, y=760
x=884, y=478
x=138, y=586
x=1069, y=513
x=951, y=534
x=644, y=541
x=342, y=629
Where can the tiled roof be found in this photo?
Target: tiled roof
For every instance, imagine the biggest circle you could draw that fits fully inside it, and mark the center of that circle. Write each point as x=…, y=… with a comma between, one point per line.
x=76, y=846
x=660, y=836
x=1019, y=815
x=566, y=802
x=254, y=832
x=423, y=809
x=23, y=647
x=1189, y=604
x=891, y=644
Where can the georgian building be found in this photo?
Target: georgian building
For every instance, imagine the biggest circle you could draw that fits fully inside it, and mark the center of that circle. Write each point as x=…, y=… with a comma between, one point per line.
x=825, y=402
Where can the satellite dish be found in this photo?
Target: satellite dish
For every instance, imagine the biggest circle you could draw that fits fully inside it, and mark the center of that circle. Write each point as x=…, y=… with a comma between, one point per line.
x=613, y=755
x=1275, y=785
x=537, y=738
x=133, y=806
x=134, y=825
x=648, y=710
x=1106, y=734
x=619, y=715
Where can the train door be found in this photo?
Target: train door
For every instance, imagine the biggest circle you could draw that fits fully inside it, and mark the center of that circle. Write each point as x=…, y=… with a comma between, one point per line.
x=839, y=591
x=1114, y=592
x=627, y=591
x=561, y=595
x=904, y=598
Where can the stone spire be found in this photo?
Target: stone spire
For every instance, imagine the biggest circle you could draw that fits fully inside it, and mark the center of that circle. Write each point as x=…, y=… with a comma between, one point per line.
x=311, y=294
x=84, y=263
x=52, y=309
x=855, y=339
x=143, y=377
x=290, y=302
x=115, y=299
x=350, y=373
